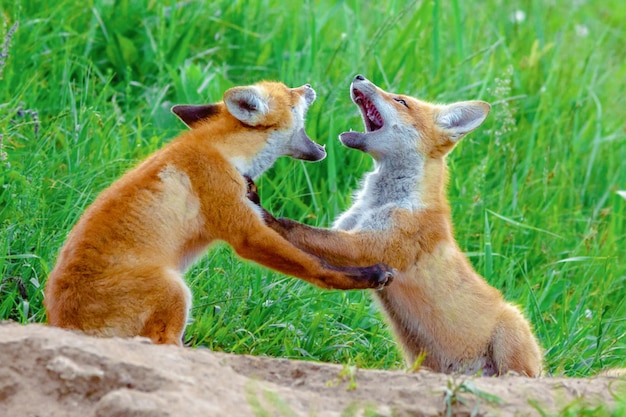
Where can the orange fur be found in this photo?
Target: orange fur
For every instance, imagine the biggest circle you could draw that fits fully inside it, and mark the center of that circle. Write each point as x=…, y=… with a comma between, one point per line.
x=120, y=272
x=438, y=304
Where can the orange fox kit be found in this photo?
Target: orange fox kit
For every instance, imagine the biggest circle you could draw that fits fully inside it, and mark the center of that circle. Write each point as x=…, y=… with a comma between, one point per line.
x=438, y=305
x=120, y=272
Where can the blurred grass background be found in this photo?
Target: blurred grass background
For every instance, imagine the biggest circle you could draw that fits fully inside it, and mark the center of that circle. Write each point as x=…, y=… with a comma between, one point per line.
x=85, y=92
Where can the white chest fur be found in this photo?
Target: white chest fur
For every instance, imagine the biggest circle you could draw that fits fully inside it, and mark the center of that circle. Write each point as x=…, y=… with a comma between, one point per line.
x=387, y=188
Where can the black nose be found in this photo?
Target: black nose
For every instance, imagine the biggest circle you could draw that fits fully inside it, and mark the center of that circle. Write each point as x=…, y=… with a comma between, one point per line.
x=307, y=85
x=360, y=77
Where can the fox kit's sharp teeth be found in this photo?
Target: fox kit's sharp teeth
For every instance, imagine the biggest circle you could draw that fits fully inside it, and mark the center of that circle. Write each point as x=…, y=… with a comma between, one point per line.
x=371, y=116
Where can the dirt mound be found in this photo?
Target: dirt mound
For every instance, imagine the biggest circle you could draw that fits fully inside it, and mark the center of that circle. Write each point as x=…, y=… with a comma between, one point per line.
x=50, y=372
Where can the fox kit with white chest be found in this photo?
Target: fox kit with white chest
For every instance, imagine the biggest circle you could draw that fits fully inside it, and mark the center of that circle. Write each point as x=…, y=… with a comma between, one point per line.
x=120, y=272
x=438, y=305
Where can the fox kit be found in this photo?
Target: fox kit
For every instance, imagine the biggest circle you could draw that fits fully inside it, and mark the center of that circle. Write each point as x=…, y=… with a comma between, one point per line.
x=120, y=272
x=438, y=305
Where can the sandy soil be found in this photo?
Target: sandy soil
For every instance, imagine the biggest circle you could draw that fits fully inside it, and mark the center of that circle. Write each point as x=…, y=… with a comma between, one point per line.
x=47, y=372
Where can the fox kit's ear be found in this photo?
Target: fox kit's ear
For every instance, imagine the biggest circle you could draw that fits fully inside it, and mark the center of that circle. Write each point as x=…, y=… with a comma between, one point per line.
x=460, y=118
x=190, y=115
x=247, y=104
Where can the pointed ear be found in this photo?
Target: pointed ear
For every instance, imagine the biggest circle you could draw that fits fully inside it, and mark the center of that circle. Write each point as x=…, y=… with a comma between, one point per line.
x=190, y=115
x=247, y=104
x=458, y=119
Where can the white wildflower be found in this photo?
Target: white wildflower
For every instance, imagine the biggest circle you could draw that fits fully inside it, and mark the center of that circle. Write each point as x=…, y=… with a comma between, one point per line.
x=518, y=16
x=582, y=31
x=505, y=114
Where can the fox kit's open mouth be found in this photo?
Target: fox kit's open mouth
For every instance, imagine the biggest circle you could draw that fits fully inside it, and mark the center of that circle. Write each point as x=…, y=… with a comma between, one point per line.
x=361, y=90
x=371, y=117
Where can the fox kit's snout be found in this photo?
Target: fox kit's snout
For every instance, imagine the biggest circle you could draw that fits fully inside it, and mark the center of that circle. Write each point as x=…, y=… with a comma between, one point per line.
x=120, y=272
x=438, y=305
x=266, y=105
x=393, y=119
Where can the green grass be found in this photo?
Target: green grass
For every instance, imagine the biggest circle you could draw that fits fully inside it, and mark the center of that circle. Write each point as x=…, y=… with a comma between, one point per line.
x=85, y=93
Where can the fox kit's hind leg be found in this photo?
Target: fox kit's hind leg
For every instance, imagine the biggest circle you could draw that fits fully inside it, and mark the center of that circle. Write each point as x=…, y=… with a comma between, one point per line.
x=514, y=346
x=167, y=320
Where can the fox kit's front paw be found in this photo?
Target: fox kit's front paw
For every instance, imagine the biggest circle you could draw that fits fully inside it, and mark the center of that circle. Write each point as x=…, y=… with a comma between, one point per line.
x=380, y=275
x=361, y=278
x=252, y=193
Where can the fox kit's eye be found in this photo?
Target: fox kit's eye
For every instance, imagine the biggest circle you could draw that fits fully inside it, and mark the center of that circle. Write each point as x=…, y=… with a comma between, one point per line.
x=399, y=100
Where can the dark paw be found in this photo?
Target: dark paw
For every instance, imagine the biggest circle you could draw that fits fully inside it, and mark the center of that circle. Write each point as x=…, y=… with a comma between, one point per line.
x=269, y=219
x=252, y=193
x=380, y=275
